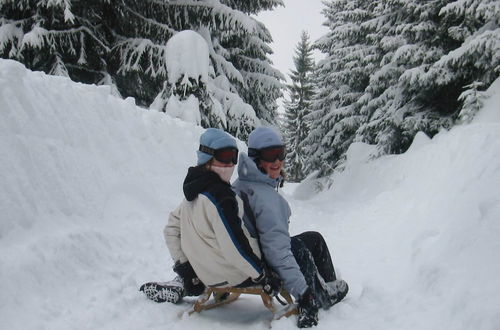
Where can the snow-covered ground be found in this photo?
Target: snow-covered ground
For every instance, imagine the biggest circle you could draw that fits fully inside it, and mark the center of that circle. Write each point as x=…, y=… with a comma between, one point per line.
x=87, y=181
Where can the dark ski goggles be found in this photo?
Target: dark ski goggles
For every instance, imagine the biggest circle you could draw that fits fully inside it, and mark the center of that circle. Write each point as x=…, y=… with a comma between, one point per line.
x=223, y=155
x=269, y=154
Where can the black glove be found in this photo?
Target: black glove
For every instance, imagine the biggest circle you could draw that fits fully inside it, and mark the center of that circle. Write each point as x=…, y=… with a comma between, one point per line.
x=308, y=310
x=192, y=284
x=270, y=281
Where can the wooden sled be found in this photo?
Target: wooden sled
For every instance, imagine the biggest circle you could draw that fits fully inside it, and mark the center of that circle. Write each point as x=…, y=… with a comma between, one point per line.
x=223, y=296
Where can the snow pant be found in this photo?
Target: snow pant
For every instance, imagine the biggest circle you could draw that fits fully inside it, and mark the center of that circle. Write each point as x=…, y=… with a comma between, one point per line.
x=312, y=256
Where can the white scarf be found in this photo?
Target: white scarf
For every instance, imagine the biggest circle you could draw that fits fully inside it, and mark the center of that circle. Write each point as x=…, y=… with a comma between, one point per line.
x=225, y=173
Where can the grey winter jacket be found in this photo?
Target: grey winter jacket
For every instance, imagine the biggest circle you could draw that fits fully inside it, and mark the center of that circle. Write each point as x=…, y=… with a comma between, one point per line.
x=272, y=214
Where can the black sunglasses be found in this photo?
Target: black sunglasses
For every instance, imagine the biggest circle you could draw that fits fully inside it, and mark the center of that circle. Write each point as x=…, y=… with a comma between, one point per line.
x=224, y=155
x=269, y=154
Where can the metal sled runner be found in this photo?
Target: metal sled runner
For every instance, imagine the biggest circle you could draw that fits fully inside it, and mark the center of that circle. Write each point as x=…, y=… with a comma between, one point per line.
x=223, y=296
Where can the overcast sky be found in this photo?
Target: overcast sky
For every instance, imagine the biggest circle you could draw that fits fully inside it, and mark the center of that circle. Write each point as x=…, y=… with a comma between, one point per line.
x=287, y=23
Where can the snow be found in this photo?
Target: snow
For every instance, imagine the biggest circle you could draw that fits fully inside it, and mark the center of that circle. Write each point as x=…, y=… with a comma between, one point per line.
x=491, y=109
x=187, y=110
x=187, y=57
x=34, y=38
x=87, y=181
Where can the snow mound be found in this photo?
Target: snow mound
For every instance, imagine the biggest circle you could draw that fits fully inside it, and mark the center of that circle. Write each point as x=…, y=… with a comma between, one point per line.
x=416, y=235
x=86, y=184
x=491, y=109
x=187, y=57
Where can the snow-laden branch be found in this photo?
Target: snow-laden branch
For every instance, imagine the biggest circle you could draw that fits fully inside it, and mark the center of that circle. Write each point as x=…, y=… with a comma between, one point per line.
x=234, y=19
x=221, y=64
x=150, y=21
x=263, y=81
x=132, y=50
x=261, y=66
x=10, y=34
x=64, y=4
x=38, y=37
x=480, y=51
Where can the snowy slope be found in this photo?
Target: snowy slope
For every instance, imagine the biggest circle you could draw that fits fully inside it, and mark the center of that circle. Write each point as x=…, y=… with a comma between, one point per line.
x=87, y=181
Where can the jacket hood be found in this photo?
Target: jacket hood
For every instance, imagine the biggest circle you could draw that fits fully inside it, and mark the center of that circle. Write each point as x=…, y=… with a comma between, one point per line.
x=248, y=171
x=197, y=180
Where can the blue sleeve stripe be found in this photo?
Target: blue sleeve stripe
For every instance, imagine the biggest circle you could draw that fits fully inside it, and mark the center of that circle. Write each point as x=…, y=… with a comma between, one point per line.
x=231, y=233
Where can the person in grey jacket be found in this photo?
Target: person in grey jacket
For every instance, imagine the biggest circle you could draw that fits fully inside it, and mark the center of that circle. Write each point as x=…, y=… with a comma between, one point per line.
x=303, y=262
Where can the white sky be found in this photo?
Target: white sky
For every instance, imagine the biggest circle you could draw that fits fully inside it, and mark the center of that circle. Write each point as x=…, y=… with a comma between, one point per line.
x=287, y=23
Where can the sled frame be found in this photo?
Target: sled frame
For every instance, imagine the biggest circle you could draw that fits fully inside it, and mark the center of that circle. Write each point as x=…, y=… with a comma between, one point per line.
x=232, y=293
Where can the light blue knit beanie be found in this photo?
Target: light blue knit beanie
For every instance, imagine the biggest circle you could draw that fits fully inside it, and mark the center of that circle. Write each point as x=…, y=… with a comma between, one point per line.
x=263, y=137
x=216, y=139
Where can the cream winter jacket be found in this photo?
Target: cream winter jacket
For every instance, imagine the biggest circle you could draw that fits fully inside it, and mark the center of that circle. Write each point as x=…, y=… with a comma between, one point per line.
x=206, y=230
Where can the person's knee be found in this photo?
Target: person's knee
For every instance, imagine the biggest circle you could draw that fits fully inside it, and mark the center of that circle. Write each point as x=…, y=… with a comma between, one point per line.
x=312, y=236
x=296, y=243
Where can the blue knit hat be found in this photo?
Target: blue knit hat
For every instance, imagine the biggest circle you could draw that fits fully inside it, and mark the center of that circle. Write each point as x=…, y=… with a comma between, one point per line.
x=214, y=138
x=263, y=137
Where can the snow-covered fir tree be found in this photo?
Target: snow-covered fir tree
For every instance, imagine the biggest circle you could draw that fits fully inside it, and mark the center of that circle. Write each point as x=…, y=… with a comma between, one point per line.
x=122, y=42
x=60, y=37
x=409, y=36
x=472, y=62
x=262, y=83
x=227, y=31
x=422, y=64
x=297, y=108
x=341, y=78
x=426, y=64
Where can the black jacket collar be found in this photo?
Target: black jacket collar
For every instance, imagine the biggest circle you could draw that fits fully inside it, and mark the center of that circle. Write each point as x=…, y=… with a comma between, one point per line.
x=197, y=180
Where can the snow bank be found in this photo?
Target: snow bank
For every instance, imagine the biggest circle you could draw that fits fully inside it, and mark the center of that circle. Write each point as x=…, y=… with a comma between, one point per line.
x=86, y=183
x=491, y=110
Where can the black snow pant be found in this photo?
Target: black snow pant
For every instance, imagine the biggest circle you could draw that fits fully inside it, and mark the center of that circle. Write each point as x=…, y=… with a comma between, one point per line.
x=312, y=256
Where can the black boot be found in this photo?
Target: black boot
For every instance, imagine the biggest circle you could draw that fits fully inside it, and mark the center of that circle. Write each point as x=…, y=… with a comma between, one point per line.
x=337, y=290
x=308, y=310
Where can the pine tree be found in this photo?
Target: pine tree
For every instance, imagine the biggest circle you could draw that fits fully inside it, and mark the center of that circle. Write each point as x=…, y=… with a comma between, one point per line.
x=423, y=64
x=59, y=37
x=300, y=92
x=262, y=84
x=341, y=79
x=122, y=42
x=411, y=38
x=470, y=63
x=229, y=34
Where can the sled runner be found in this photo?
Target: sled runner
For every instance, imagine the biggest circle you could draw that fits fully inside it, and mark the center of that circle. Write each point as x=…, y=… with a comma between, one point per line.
x=223, y=296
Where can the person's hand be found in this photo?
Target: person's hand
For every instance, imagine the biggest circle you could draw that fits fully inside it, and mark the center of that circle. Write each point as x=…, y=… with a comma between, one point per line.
x=270, y=281
x=192, y=284
x=308, y=310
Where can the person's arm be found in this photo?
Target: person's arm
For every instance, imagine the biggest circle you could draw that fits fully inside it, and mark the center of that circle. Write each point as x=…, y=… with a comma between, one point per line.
x=172, y=234
x=272, y=224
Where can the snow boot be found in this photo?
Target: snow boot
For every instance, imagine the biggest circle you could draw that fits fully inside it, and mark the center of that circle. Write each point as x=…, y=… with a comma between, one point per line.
x=337, y=290
x=171, y=291
x=308, y=310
